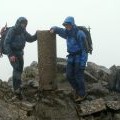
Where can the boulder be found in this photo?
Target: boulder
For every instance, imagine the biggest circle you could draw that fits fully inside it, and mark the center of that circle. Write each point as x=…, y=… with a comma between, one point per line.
x=99, y=72
x=90, y=107
x=114, y=81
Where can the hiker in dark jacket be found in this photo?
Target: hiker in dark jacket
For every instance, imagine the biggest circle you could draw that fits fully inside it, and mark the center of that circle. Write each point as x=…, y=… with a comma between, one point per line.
x=15, y=41
x=77, y=56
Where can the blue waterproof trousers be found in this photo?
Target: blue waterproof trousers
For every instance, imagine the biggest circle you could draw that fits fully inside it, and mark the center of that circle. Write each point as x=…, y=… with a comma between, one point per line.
x=75, y=75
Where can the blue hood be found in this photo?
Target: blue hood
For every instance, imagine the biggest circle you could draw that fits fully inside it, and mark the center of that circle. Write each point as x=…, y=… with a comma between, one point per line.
x=69, y=20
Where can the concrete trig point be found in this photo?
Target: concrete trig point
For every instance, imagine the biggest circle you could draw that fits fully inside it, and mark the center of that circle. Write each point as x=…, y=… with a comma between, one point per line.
x=46, y=59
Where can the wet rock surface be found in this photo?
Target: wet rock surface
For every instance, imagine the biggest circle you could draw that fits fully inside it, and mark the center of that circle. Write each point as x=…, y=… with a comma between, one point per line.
x=101, y=103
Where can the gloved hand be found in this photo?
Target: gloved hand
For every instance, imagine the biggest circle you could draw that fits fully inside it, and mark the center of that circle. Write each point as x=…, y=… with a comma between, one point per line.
x=51, y=30
x=13, y=58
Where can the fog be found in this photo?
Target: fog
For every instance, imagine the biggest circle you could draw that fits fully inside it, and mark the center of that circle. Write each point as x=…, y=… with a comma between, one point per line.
x=103, y=16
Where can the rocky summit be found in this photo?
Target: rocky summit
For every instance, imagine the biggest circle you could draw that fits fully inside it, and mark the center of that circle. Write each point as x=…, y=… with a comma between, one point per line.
x=102, y=101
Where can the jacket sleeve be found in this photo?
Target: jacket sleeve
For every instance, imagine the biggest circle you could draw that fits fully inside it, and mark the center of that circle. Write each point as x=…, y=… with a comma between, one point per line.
x=29, y=37
x=7, y=41
x=60, y=31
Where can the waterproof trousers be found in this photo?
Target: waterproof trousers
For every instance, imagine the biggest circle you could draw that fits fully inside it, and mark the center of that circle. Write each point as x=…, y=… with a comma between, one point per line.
x=17, y=72
x=75, y=76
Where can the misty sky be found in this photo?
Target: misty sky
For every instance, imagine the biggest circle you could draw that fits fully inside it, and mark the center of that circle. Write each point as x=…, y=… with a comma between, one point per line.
x=103, y=16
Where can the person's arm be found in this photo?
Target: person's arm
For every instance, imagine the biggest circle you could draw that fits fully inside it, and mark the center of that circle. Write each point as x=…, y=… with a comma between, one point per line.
x=29, y=37
x=60, y=31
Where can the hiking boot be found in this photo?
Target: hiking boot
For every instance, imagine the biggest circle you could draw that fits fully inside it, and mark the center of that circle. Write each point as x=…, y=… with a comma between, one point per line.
x=73, y=94
x=20, y=97
x=18, y=91
x=18, y=94
x=80, y=98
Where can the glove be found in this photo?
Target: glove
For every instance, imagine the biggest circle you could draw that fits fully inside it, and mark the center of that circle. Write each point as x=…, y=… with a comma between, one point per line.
x=13, y=58
x=51, y=30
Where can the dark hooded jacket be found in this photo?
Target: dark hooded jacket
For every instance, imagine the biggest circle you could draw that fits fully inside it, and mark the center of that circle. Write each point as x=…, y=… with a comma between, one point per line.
x=17, y=37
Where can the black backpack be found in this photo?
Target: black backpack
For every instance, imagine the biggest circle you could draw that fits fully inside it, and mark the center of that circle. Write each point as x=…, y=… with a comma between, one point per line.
x=88, y=40
x=3, y=34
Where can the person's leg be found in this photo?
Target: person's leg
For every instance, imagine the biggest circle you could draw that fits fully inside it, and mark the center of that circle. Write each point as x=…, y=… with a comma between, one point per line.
x=70, y=74
x=17, y=71
x=79, y=78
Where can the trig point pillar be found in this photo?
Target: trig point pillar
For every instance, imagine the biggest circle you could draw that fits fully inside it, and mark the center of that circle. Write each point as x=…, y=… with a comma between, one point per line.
x=46, y=59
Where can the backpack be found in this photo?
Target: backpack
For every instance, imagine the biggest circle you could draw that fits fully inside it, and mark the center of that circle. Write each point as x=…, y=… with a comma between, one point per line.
x=88, y=40
x=3, y=34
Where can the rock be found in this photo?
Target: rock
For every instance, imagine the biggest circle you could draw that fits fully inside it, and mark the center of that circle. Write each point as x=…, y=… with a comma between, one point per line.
x=61, y=67
x=33, y=83
x=89, y=77
x=100, y=104
x=114, y=81
x=90, y=107
x=25, y=105
x=10, y=82
x=29, y=73
x=114, y=105
x=98, y=90
x=34, y=64
x=53, y=107
x=0, y=82
x=99, y=72
x=117, y=116
x=61, y=60
x=11, y=112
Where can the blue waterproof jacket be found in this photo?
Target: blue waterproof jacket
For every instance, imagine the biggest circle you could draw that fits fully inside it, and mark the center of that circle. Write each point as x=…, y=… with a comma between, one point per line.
x=16, y=38
x=75, y=41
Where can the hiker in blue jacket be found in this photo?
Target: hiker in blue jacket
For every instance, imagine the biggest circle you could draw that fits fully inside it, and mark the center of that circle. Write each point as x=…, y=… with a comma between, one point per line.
x=77, y=56
x=15, y=41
